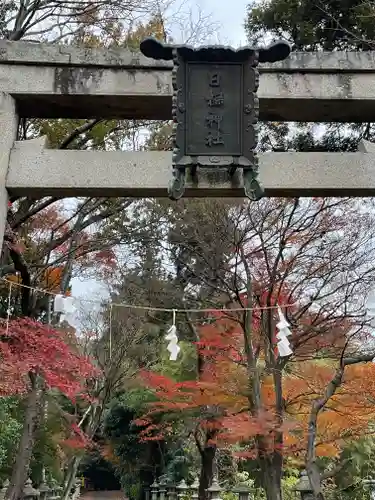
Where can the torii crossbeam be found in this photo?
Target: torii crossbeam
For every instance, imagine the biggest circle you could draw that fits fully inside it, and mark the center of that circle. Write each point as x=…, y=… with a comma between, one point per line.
x=39, y=80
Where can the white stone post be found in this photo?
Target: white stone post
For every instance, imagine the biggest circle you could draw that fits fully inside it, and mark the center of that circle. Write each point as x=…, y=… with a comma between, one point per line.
x=4, y=489
x=8, y=134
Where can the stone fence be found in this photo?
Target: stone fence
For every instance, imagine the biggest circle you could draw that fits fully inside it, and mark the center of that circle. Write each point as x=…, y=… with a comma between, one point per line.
x=165, y=491
x=51, y=491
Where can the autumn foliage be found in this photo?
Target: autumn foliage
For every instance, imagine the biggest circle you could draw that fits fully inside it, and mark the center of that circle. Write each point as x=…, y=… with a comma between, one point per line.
x=86, y=250
x=218, y=400
x=27, y=346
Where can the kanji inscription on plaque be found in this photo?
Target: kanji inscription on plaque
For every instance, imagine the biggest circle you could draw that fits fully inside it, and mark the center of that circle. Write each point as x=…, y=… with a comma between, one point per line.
x=215, y=109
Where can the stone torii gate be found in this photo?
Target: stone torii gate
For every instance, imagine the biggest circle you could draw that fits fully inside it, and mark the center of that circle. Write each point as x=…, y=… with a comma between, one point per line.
x=51, y=81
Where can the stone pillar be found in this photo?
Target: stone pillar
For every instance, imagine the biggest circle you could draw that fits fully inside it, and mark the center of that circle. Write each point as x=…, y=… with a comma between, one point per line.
x=52, y=489
x=171, y=492
x=195, y=489
x=370, y=484
x=59, y=491
x=162, y=489
x=243, y=492
x=77, y=489
x=154, y=490
x=8, y=134
x=182, y=489
x=44, y=491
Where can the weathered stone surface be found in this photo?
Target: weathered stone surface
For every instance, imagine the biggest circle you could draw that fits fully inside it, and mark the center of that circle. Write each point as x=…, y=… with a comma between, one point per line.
x=61, y=55
x=366, y=146
x=63, y=91
x=8, y=131
x=326, y=61
x=37, y=171
x=116, y=57
x=54, y=81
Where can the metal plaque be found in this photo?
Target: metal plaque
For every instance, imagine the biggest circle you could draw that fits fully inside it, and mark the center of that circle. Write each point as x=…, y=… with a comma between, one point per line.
x=213, y=96
x=215, y=108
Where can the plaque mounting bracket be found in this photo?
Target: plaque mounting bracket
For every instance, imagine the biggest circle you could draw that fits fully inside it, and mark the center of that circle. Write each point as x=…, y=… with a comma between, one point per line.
x=215, y=110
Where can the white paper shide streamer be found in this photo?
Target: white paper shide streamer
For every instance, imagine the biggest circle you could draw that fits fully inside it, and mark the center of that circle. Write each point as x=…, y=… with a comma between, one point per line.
x=65, y=306
x=283, y=344
x=171, y=336
x=9, y=309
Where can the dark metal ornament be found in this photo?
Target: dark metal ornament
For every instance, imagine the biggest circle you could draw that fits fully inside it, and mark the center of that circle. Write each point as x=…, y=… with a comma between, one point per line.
x=215, y=109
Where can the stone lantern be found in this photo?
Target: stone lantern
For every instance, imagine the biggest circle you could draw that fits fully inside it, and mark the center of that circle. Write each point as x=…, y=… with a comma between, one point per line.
x=44, y=491
x=154, y=490
x=215, y=489
x=30, y=493
x=171, y=492
x=304, y=487
x=370, y=485
x=182, y=489
x=4, y=489
x=195, y=489
x=243, y=492
x=162, y=489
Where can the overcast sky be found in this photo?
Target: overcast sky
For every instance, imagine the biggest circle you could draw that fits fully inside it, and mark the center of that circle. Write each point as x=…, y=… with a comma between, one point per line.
x=229, y=17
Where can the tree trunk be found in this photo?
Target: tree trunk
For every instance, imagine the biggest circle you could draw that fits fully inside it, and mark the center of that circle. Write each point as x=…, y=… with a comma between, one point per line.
x=207, y=470
x=271, y=467
x=315, y=482
x=70, y=477
x=25, y=449
x=71, y=473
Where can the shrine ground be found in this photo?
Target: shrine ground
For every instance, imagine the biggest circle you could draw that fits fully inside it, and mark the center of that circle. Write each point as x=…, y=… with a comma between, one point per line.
x=103, y=495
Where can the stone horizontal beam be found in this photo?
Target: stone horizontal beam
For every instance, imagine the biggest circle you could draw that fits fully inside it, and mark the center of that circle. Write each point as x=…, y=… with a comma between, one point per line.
x=37, y=171
x=52, y=81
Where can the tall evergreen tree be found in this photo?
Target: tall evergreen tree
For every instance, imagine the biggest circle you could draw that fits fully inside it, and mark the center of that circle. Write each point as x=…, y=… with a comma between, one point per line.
x=314, y=26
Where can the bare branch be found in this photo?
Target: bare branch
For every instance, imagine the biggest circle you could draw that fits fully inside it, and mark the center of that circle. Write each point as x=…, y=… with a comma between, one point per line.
x=86, y=127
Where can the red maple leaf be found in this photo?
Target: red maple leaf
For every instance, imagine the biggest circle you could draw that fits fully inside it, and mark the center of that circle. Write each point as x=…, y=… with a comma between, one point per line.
x=27, y=346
